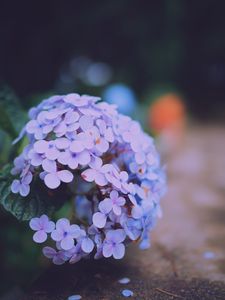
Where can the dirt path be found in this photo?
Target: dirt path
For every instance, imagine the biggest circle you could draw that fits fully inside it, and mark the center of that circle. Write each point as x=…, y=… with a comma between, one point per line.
x=187, y=257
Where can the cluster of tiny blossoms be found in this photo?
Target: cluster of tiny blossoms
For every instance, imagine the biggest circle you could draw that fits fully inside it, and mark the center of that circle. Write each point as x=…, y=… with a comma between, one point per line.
x=110, y=165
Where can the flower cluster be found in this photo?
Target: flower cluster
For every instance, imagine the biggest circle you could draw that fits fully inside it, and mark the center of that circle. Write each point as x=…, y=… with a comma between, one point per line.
x=108, y=162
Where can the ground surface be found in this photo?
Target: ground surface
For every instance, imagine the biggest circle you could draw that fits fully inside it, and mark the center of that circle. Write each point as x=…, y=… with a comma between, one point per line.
x=175, y=266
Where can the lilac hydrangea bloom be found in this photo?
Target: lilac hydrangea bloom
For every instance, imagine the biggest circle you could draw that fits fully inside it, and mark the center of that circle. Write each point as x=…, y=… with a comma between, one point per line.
x=42, y=226
x=108, y=165
x=65, y=233
x=113, y=245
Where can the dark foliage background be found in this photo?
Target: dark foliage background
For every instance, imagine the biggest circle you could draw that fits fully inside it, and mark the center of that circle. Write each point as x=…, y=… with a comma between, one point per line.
x=146, y=42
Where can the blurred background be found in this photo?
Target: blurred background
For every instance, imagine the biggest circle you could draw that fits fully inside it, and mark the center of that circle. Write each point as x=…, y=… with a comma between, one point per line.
x=161, y=62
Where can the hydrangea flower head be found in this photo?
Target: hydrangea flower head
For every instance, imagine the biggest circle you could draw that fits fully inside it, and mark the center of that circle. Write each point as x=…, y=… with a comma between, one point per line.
x=105, y=161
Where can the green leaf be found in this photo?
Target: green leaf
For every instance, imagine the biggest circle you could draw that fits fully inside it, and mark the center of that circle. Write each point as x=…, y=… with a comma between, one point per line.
x=13, y=117
x=40, y=201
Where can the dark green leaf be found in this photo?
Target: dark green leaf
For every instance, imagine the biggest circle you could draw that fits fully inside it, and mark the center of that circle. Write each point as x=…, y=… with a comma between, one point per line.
x=13, y=117
x=40, y=201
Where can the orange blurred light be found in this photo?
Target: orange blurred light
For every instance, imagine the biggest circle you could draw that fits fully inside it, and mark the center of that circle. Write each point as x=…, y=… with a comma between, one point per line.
x=167, y=112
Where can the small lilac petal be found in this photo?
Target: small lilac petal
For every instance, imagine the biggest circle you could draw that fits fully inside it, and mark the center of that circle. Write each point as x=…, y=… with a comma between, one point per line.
x=105, y=206
x=24, y=189
x=74, y=297
x=107, y=250
x=86, y=122
x=52, y=181
x=71, y=117
x=84, y=158
x=49, y=165
x=100, y=179
x=50, y=227
x=74, y=231
x=102, y=145
x=67, y=243
x=57, y=235
x=65, y=176
x=15, y=187
x=117, y=210
x=63, y=224
x=124, y=280
x=40, y=236
x=52, y=153
x=49, y=252
x=62, y=143
x=41, y=146
x=99, y=219
x=119, y=251
x=57, y=260
x=89, y=175
x=35, y=224
x=76, y=146
x=127, y=293
x=140, y=157
x=64, y=157
x=31, y=126
x=87, y=245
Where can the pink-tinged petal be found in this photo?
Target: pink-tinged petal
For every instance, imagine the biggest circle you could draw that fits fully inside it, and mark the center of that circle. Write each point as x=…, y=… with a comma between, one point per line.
x=49, y=252
x=119, y=251
x=86, y=122
x=32, y=126
x=84, y=158
x=109, y=135
x=64, y=157
x=74, y=99
x=107, y=250
x=35, y=224
x=71, y=117
x=140, y=157
x=102, y=145
x=15, y=187
x=39, y=134
x=65, y=176
x=40, y=236
x=114, y=195
x=57, y=235
x=24, y=189
x=117, y=210
x=87, y=245
x=49, y=165
x=105, y=206
x=89, y=175
x=47, y=128
x=73, y=127
x=62, y=143
x=41, y=146
x=76, y=146
x=52, y=153
x=114, y=181
x=51, y=180
x=49, y=227
x=100, y=179
x=67, y=243
x=60, y=128
x=73, y=163
x=99, y=219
